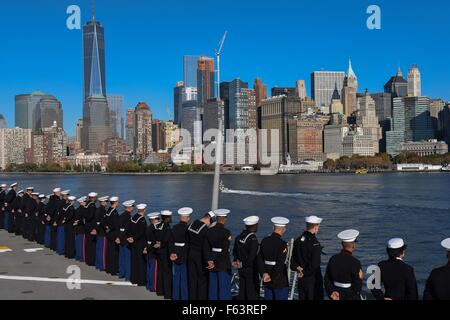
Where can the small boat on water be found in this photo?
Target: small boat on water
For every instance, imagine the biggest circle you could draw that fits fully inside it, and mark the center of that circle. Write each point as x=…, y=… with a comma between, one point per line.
x=222, y=187
x=446, y=168
x=362, y=171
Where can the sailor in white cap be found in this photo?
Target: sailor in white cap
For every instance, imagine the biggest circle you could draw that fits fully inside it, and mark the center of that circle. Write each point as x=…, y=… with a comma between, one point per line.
x=28, y=204
x=437, y=287
x=79, y=230
x=306, y=261
x=245, y=253
x=198, y=275
x=138, y=241
x=90, y=242
x=162, y=234
x=17, y=216
x=124, y=249
x=3, y=189
x=217, y=246
x=99, y=231
x=178, y=249
x=152, y=266
x=32, y=211
x=111, y=226
x=40, y=220
x=344, y=275
x=272, y=262
x=397, y=277
x=69, y=229
x=8, y=218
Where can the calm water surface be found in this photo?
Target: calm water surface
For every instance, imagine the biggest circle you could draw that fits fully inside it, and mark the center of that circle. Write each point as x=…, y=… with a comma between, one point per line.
x=415, y=207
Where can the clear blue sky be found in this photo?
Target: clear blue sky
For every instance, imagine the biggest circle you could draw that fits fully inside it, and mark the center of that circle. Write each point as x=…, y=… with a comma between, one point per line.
x=280, y=41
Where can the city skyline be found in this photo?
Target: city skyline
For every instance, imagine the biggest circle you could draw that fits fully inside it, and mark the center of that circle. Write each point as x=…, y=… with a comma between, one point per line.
x=60, y=74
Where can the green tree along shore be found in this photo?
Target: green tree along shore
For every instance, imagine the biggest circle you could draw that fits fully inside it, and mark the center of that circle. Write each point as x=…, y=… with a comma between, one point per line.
x=378, y=162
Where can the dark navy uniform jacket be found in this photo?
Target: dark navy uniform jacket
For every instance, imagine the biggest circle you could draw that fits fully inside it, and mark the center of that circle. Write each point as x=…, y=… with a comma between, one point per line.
x=89, y=221
x=124, y=227
x=216, y=248
x=245, y=250
x=9, y=199
x=438, y=285
x=111, y=224
x=178, y=243
x=80, y=213
x=138, y=226
x=344, y=268
x=306, y=254
x=399, y=281
x=100, y=215
x=272, y=260
x=163, y=234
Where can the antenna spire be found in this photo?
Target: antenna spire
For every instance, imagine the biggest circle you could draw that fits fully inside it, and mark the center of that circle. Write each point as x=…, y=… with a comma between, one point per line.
x=93, y=11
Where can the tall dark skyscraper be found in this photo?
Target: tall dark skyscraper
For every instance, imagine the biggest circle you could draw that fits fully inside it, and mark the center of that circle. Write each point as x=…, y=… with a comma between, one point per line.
x=205, y=80
x=96, y=115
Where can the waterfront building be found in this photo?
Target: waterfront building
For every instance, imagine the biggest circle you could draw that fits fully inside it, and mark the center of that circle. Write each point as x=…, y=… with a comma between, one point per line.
x=116, y=149
x=129, y=128
x=367, y=120
x=143, y=144
x=115, y=104
x=49, y=145
x=349, y=91
x=158, y=135
x=96, y=114
x=356, y=143
x=424, y=148
x=89, y=161
x=444, y=123
x=78, y=134
x=323, y=84
x=172, y=134
x=436, y=107
x=13, y=146
x=333, y=138
x=305, y=139
x=414, y=82
x=383, y=105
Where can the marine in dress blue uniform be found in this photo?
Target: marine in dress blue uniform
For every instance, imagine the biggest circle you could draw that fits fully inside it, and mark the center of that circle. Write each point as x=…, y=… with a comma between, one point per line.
x=152, y=264
x=217, y=257
x=124, y=249
x=90, y=232
x=344, y=275
x=78, y=224
x=437, y=287
x=111, y=226
x=40, y=219
x=60, y=223
x=99, y=232
x=138, y=241
x=272, y=262
x=162, y=236
x=178, y=250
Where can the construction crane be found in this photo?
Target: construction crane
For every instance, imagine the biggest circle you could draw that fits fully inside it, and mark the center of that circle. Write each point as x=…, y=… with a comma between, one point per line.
x=219, y=138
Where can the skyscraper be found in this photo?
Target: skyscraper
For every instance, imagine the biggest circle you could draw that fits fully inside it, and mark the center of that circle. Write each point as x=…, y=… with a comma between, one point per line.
x=323, y=84
x=158, y=135
x=349, y=99
x=414, y=82
x=205, y=80
x=190, y=65
x=38, y=110
x=260, y=91
x=115, y=104
x=143, y=145
x=96, y=115
x=397, y=86
x=178, y=102
x=300, y=88
x=367, y=120
x=3, y=123
x=129, y=128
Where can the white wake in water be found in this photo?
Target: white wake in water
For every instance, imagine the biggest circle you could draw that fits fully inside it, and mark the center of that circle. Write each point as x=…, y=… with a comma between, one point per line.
x=266, y=194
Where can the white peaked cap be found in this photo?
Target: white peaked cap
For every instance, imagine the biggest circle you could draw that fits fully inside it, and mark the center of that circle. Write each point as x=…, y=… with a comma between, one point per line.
x=14, y=185
x=446, y=244
x=185, y=211
x=280, y=222
x=222, y=212
x=103, y=199
x=93, y=194
x=166, y=213
x=313, y=220
x=42, y=196
x=114, y=199
x=35, y=194
x=141, y=206
x=129, y=203
x=4, y=186
x=30, y=188
x=82, y=199
x=56, y=190
x=212, y=214
x=154, y=215
x=65, y=192
x=72, y=198
x=396, y=243
x=251, y=221
x=348, y=236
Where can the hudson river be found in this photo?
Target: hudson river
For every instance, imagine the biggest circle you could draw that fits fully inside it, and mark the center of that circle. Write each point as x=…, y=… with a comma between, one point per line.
x=413, y=206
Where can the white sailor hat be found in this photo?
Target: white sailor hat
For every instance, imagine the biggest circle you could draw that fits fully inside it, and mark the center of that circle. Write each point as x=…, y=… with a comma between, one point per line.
x=56, y=190
x=82, y=199
x=35, y=194
x=446, y=244
x=166, y=213
x=280, y=222
x=348, y=236
x=72, y=198
x=211, y=214
x=185, y=211
x=93, y=195
x=20, y=192
x=14, y=185
x=222, y=212
x=313, y=220
x=141, y=206
x=114, y=199
x=42, y=196
x=129, y=203
x=154, y=215
x=103, y=199
x=396, y=243
x=4, y=186
x=30, y=188
x=65, y=192
x=251, y=221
